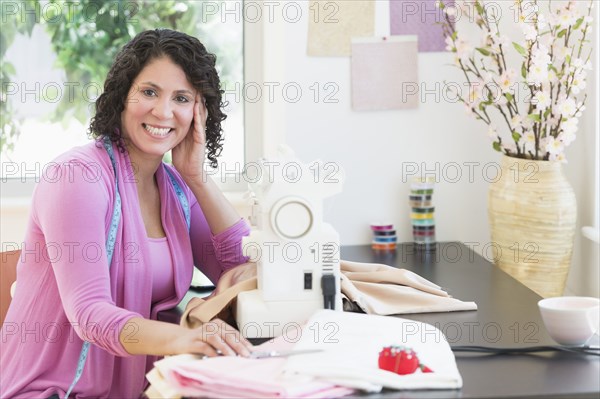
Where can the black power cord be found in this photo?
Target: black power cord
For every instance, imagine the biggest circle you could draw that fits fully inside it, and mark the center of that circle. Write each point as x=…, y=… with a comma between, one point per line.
x=584, y=350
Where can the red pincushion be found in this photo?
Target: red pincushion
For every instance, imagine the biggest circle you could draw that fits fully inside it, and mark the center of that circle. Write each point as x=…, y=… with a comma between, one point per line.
x=400, y=360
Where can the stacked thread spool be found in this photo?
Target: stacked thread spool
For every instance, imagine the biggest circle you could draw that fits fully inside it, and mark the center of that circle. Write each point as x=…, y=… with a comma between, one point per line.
x=422, y=213
x=384, y=237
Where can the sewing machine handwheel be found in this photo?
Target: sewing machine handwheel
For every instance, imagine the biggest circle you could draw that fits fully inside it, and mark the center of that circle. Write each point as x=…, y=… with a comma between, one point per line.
x=291, y=218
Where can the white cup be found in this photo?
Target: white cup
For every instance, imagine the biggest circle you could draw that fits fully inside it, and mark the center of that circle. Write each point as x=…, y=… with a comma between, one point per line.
x=570, y=320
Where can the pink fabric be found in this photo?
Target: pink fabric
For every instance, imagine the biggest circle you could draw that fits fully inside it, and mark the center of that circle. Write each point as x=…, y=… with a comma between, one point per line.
x=163, y=283
x=66, y=291
x=235, y=377
x=238, y=377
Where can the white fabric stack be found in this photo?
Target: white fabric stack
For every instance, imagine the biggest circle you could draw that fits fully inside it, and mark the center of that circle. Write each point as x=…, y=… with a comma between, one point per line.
x=351, y=343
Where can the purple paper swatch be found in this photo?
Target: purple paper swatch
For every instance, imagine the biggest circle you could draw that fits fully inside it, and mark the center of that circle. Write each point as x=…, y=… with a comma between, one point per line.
x=419, y=17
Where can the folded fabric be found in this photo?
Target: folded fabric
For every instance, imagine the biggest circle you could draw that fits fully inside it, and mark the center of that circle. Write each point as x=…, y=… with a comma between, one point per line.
x=373, y=288
x=385, y=290
x=235, y=377
x=351, y=342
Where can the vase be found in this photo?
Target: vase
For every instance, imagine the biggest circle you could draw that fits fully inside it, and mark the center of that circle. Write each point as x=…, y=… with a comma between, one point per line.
x=532, y=212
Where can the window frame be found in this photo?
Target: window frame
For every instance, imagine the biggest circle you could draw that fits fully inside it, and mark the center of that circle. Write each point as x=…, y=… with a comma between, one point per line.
x=253, y=112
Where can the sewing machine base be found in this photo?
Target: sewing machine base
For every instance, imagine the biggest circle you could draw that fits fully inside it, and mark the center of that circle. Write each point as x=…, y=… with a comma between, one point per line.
x=259, y=319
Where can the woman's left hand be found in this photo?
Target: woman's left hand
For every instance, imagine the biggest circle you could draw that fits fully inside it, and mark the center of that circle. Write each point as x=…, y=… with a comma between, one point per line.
x=189, y=155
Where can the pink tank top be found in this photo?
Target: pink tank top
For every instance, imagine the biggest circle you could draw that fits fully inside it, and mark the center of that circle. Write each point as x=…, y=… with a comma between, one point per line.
x=163, y=284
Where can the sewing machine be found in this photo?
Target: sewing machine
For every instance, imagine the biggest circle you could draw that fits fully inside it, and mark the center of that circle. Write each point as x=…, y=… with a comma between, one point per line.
x=297, y=255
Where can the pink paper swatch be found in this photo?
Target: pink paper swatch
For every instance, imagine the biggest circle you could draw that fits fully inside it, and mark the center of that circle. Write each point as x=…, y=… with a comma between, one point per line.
x=384, y=73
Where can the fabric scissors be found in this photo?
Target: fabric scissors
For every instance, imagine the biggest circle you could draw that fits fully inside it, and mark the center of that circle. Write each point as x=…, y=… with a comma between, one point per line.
x=269, y=354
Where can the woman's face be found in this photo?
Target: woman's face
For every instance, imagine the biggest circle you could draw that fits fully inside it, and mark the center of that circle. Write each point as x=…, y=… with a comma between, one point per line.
x=159, y=109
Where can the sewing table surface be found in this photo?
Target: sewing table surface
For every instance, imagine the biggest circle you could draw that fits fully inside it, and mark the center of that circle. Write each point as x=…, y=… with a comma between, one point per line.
x=507, y=316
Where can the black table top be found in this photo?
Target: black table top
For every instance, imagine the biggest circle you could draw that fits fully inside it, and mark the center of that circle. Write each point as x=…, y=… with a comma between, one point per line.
x=507, y=316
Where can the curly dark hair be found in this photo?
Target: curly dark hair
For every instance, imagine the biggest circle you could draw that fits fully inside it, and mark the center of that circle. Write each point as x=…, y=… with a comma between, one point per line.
x=185, y=51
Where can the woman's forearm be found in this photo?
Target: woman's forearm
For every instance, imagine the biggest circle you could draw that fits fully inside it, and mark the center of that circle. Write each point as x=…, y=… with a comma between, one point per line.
x=140, y=336
x=148, y=337
x=219, y=213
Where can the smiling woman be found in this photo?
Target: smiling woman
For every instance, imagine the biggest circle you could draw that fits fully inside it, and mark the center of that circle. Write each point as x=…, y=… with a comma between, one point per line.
x=48, y=93
x=147, y=222
x=162, y=91
x=158, y=117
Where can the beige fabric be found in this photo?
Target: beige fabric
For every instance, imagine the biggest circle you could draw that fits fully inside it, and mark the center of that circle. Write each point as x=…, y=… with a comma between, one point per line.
x=373, y=288
x=377, y=273
x=385, y=290
x=220, y=302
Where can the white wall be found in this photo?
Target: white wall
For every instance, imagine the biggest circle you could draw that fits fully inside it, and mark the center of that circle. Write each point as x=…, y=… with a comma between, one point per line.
x=376, y=148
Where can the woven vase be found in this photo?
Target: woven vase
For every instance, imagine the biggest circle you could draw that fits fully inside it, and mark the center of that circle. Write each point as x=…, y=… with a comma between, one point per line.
x=532, y=212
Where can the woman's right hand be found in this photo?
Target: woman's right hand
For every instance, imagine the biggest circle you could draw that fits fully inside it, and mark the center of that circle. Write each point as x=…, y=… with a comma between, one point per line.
x=213, y=339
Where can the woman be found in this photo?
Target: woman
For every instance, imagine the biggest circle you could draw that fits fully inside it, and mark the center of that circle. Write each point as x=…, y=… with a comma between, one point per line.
x=162, y=93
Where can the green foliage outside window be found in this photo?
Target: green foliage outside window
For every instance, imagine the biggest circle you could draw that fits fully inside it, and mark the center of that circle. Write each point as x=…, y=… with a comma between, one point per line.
x=86, y=37
x=11, y=26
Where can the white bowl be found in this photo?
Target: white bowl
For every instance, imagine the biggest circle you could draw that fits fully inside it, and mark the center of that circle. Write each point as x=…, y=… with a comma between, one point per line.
x=570, y=320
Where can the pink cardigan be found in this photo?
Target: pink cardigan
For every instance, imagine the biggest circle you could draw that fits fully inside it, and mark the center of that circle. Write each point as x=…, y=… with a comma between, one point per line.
x=66, y=291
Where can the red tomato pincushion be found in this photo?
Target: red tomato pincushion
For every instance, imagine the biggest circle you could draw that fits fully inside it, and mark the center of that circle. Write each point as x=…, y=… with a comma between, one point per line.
x=400, y=360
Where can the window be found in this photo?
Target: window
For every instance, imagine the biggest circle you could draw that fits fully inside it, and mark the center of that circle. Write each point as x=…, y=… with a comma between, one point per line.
x=55, y=56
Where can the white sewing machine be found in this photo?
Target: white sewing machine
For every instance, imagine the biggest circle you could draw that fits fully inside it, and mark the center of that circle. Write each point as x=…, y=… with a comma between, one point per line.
x=297, y=255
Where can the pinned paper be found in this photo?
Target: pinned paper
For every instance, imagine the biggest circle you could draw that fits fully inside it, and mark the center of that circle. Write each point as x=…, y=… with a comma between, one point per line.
x=384, y=73
x=421, y=18
x=333, y=24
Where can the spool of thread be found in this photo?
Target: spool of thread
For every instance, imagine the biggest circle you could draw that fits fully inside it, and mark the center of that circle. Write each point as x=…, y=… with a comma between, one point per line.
x=384, y=237
x=422, y=214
